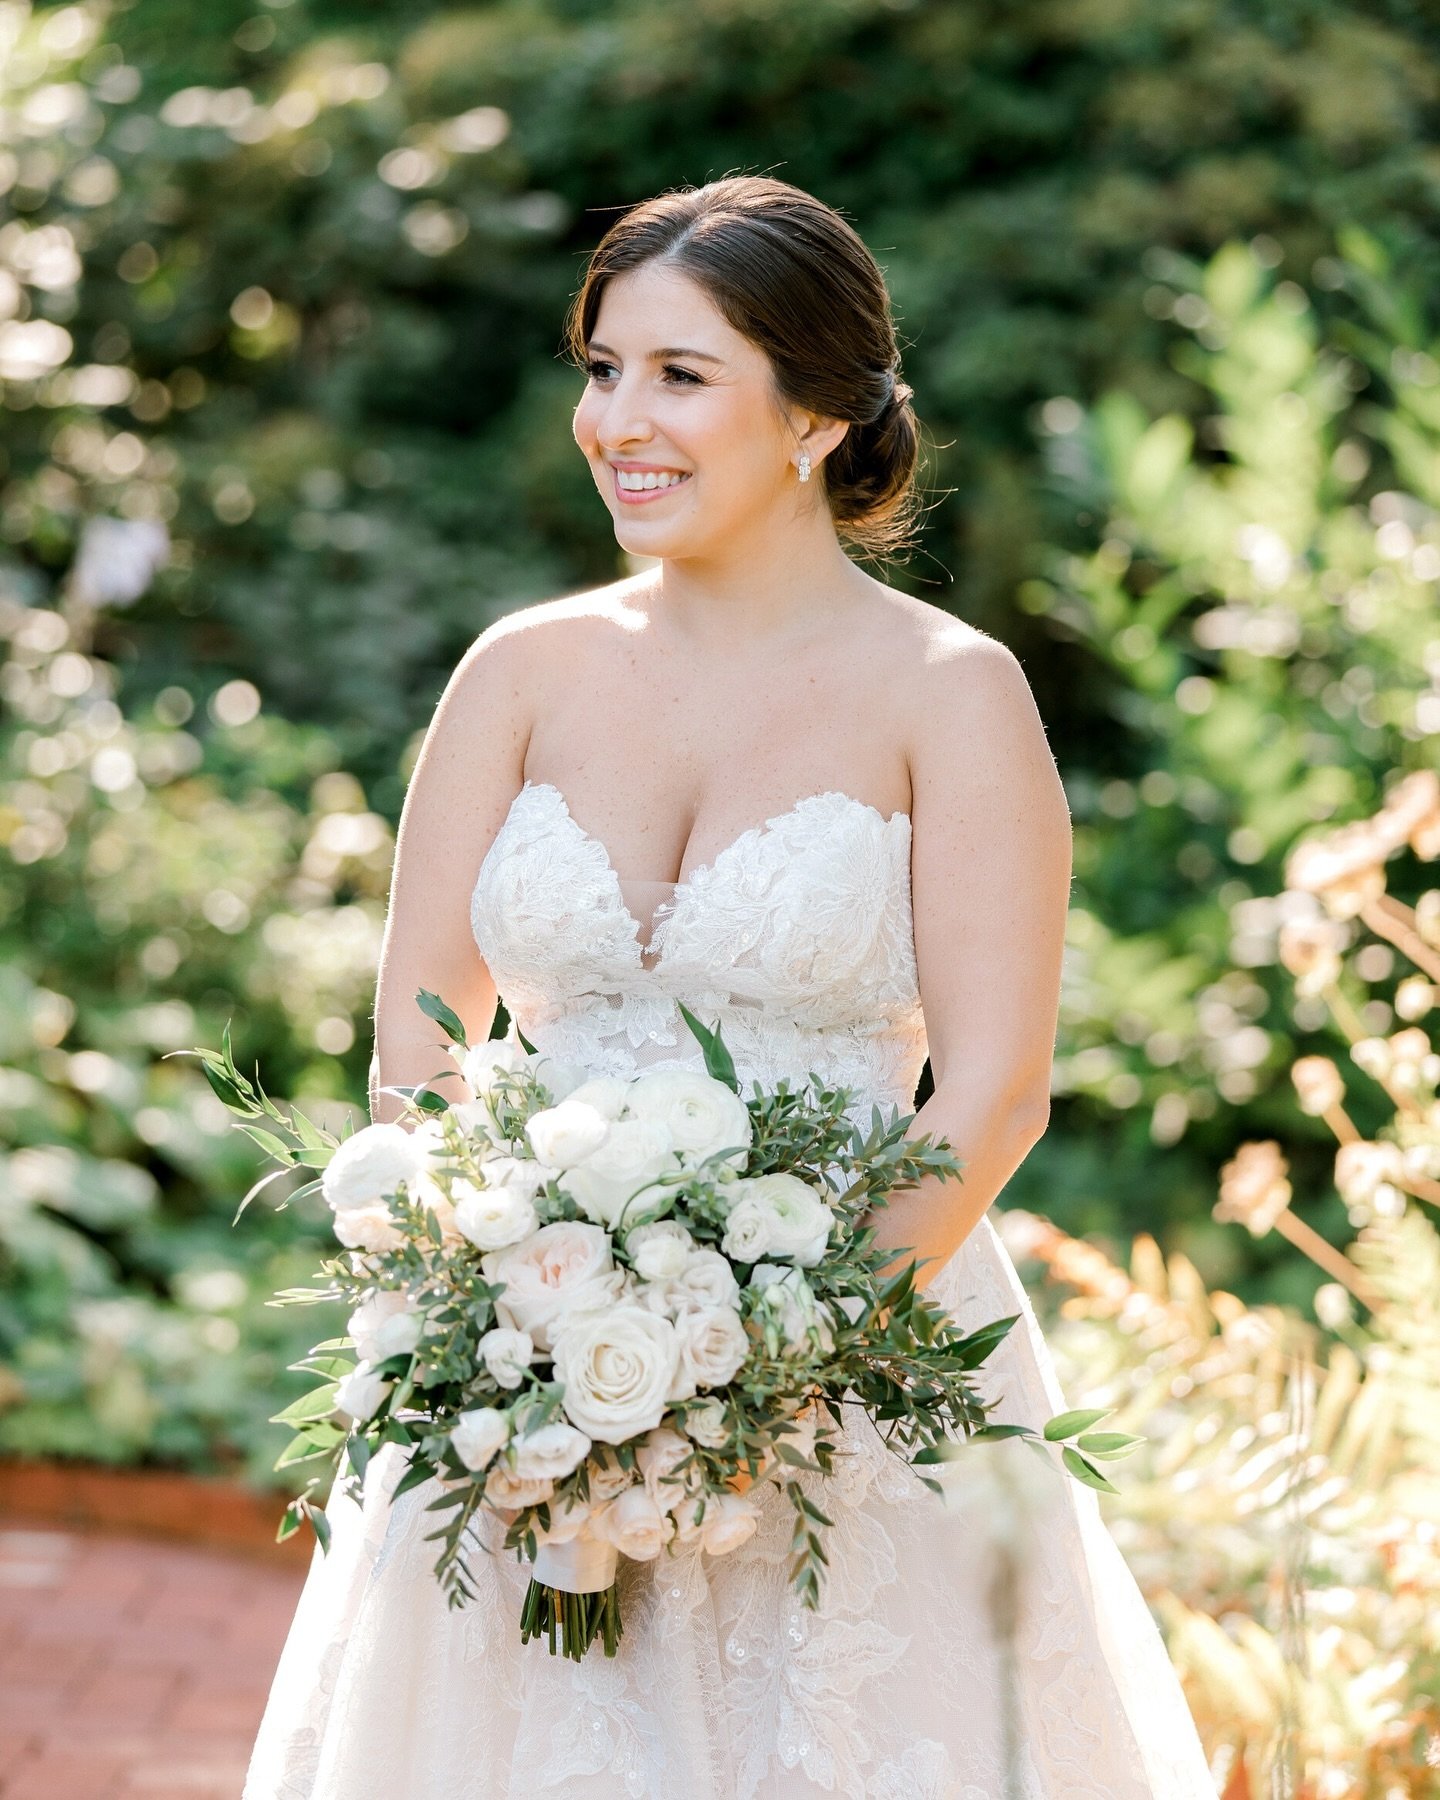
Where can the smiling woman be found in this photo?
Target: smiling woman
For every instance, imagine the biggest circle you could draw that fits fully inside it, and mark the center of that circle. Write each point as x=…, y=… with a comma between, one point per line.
x=823, y=816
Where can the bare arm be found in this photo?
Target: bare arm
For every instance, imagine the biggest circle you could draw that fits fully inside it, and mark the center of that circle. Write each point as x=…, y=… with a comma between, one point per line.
x=991, y=865
x=468, y=772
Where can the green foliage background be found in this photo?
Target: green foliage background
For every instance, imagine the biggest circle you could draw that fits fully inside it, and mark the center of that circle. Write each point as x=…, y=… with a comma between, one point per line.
x=1164, y=274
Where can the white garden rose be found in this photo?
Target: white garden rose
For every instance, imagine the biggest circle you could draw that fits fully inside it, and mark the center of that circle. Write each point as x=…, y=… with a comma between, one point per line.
x=568, y=1518
x=706, y=1423
x=634, y=1524
x=560, y=1078
x=713, y=1344
x=504, y=1488
x=368, y=1228
x=700, y=1114
x=376, y=1162
x=613, y=1185
x=730, y=1520
x=493, y=1218
x=707, y=1280
x=550, y=1452
x=659, y=1251
x=796, y=1220
x=557, y=1271
x=478, y=1434
x=619, y=1369
x=481, y=1063
x=606, y=1093
x=566, y=1133
x=384, y=1324
x=507, y=1355
x=607, y=1478
x=360, y=1392
x=658, y=1457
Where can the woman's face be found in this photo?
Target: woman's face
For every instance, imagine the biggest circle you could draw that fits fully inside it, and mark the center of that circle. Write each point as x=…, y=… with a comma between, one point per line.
x=675, y=391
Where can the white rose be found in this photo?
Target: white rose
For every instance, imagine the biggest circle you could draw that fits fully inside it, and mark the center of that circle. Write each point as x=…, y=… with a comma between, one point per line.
x=708, y=1280
x=373, y=1164
x=556, y=1271
x=483, y=1062
x=659, y=1251
x=619, y=1370
x=493, y=1218
x=658, y=1457
x=705, y=1422
x=713, y=1344
x=478, y=1434
x=568, y=1518
x=507, y=1355
x=634, y=1524
x=690, y=1517
x=799, y=1221
x=613, y=1185
x=368, y=1228
x=360, y=1392
x=566, y=1133
x=606, y=1093
x=607, y=1478
x=748, y=1225
x=384, y=1324
x=549, y=1453
x=523, y=1174
x=730, y=1520
x=504, y=1488
x=701, y=1114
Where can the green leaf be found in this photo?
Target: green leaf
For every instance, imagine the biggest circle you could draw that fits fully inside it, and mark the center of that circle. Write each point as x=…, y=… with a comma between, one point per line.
x=319, y=1403
x=1109, y=1443
x=1085, y=1471
x=301, y=1449
x=357, y=1450
x=435, y=1008
x=1066, y=1424
x=719, y=1064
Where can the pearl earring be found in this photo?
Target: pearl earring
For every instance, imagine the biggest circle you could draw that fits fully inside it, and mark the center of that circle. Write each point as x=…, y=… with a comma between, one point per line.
x=804, y=465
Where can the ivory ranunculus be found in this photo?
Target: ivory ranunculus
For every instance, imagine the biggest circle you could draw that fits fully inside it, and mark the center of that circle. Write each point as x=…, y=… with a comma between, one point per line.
x=713, y=1344
x=478, y=1434
x=700, y=1114
x=559, y=1270
x=493, y=1218
x=368, y=1228
x=550, y=1452
x=730, y=1520
x=507, y=1355
x=614, y=1184
x=360, y=1392
x=778, y=1215
x=483, y=1062
x=560, y=1078
x=566, y=1133
x=634, y=1524
x=659, y=1251
x=619, y=1370
x=372, y=1165
x=606, y=1093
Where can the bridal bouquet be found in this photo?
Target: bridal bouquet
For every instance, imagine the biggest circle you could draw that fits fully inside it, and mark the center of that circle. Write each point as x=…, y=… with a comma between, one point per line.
x=600, y=1307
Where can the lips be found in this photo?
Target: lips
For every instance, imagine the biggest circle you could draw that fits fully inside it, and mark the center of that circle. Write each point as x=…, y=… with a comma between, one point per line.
x=641, y=496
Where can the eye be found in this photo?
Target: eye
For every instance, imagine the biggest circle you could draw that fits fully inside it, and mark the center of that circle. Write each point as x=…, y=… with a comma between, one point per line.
x=597, y=368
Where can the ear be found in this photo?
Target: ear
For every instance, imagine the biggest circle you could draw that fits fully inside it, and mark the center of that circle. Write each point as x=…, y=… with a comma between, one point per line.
x=818, y=434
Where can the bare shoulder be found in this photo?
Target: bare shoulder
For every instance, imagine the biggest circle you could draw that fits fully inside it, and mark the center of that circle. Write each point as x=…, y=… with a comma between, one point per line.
x=545, y=641
x=959, y=683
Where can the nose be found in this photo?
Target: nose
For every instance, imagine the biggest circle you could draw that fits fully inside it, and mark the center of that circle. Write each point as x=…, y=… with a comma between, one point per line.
x=622, y=418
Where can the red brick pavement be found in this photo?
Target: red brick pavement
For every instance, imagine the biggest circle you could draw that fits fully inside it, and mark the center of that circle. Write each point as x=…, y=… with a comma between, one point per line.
x=132, y=1669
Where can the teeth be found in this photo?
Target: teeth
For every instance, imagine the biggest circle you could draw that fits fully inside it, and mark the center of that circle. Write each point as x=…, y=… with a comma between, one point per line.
x=635, y=483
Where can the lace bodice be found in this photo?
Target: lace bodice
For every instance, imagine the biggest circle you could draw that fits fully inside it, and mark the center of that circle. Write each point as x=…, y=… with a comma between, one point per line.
x=797, y=937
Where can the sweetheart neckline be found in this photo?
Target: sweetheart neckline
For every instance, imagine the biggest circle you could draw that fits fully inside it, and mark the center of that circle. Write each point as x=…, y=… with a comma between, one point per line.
x=669, y=908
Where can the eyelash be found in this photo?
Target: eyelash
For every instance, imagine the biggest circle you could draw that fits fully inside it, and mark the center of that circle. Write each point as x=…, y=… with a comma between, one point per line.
x=691, y=379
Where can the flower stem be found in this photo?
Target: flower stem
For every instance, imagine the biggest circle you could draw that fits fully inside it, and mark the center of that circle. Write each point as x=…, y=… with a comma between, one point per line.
x=571, y=1622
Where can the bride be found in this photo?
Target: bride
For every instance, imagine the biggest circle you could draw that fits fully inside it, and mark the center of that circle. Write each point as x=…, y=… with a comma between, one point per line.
x=755, y=779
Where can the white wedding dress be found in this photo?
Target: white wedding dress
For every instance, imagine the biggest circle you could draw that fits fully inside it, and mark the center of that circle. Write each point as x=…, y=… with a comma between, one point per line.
x=905, y=1685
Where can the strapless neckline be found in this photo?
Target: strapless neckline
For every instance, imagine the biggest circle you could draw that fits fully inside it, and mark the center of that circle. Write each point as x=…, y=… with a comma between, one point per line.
x=701, y=873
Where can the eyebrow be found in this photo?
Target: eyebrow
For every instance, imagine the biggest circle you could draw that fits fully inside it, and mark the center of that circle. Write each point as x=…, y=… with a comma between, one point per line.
x=660, y=355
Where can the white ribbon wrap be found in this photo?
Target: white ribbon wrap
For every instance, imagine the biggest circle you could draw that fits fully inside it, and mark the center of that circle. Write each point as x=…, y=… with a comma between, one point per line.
x=583, y=1566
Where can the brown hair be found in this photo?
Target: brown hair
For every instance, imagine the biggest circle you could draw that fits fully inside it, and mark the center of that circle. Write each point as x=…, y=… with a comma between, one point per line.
x=789, y=274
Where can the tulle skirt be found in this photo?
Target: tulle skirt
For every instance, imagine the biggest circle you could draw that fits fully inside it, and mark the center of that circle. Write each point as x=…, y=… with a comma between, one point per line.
x=991, y=1646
